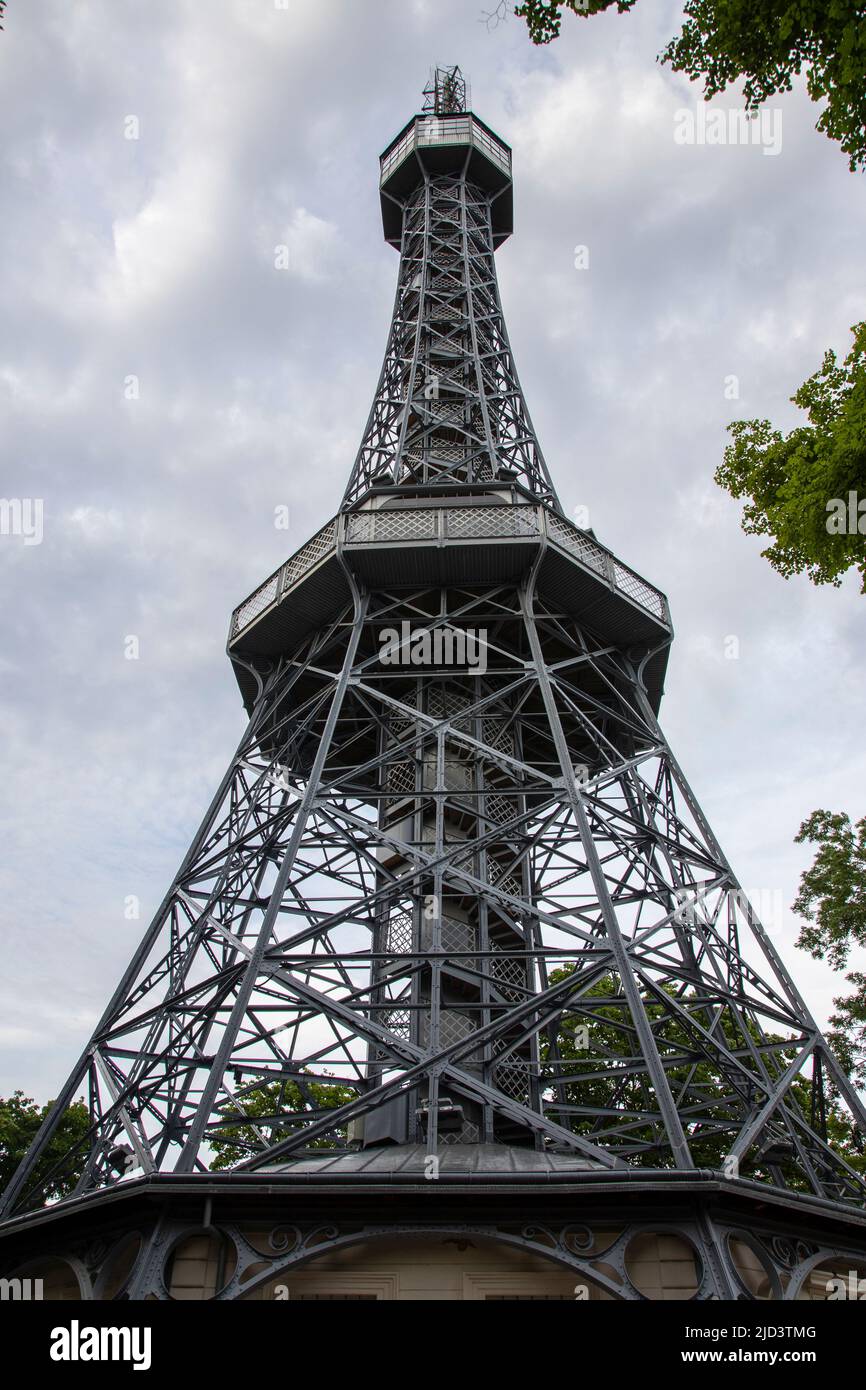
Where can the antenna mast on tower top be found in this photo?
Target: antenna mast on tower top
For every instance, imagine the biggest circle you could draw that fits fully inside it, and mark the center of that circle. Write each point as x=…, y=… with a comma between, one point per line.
x=446, y=92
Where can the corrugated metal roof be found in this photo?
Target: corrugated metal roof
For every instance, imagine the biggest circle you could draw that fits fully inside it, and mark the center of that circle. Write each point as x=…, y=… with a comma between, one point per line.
x=406, y=1159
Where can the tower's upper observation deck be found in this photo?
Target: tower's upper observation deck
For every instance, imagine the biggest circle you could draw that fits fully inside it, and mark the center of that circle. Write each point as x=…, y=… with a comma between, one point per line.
x=454, y=143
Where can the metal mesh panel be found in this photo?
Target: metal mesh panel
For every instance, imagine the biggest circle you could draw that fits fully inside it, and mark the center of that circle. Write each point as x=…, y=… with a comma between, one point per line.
x=459, y=936
x=392, y=525
x=445, y=283
x=496, y=735
x=469, y=1134
x=310, y=554
x=436, y=702
x=401, y=726
x=478, y=521
x=447, y=346
x=577, y=543
x=446, y=413
x=453, y=1028
x=401, y=778
x=513, y=1080
x=491, y=521
x=261, y=599
x=445, y=450
x=509, y=973
x=458, y=774
x=630, y=583
x=525, y=521
x=400, y=933
x=502, y=878
x=403, y=525
x=445, y=313
x=444, y=702
x=448, y=376
x=359, y=527
x=500, y=808
x=397, y=1021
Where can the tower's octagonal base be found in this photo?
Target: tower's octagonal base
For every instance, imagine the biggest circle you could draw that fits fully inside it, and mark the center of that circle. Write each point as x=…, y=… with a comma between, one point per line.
x=477, y=1223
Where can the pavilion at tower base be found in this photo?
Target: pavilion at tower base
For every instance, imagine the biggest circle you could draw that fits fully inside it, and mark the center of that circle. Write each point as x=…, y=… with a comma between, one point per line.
x=496, y=1223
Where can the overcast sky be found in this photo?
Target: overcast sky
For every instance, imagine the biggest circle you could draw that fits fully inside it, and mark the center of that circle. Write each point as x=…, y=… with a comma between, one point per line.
x=153, y=258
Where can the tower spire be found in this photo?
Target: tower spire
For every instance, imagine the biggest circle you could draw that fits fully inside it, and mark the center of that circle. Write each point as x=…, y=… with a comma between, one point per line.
x=449, y=415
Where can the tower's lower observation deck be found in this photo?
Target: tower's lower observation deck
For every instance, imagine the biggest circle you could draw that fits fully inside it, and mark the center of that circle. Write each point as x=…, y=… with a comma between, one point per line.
x=455, y=541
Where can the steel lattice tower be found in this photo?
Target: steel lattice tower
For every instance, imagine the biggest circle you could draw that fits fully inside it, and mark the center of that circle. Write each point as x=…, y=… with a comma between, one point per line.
x=454, y=895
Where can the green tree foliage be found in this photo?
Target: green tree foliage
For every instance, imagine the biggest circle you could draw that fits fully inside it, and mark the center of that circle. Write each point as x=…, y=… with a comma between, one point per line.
x=807, y=489
x=832, y=898
x=568, y=1066
x=20, y=1118
x=764, y=43
x=847, y=1031
x=832, y=894
x=269, y=1109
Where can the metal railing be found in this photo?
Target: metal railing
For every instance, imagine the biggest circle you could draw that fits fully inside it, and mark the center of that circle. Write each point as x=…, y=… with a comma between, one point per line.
x=596, y=557
x=431, y=131
x=443, y=524
x=322, y=544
